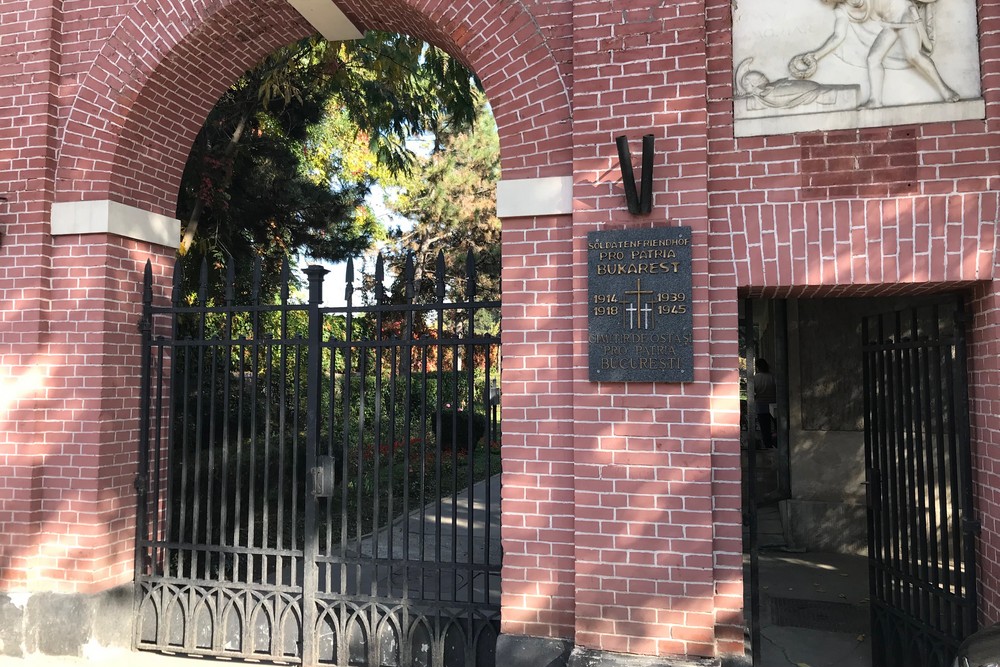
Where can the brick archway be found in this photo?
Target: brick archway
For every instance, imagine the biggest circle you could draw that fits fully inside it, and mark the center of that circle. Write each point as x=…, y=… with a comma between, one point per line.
x=130, y=117
x=141, y=104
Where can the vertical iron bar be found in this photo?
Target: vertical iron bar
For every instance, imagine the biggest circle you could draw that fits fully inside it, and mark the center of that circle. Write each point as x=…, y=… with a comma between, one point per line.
x=252, y=486
x=377, y=452
x=488, y=455
x=299, y=470
x=876, y=505
x=955, y=490
x=391, y=460
x=920, y=482
x=283, y=476
x=315, y=275
x=407, y=429
x=896, y=436
x=470, y=435
x=422, y=493
x=210, y=476
x=970, y=524
x=422, y=485
x=346, y=396
x=907, y=474
x=379, y=335
x=440, y=416
x=756, y=647
x=199, y=438
x=176, y=399
x=359, y=497
x=869, y=371
x=185, y=467
x=238, y=464
x=455, y=365
x=228, y=348
x=156, y=469
x=928, y=363
x=265, y=498
x=943, y=459
x=889, y=597
x=142, y=478
x=331, y=444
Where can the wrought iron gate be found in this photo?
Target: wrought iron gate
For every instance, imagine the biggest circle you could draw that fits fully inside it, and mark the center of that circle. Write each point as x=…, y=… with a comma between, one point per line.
x=921, y=525
x=319, y=485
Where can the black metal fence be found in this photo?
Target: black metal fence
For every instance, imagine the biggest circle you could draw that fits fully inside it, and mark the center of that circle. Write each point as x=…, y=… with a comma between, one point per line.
x=320, y=485
x=921, y=522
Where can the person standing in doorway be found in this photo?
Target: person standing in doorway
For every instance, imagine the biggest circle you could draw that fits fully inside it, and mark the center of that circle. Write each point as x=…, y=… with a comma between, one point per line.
x=765, y=395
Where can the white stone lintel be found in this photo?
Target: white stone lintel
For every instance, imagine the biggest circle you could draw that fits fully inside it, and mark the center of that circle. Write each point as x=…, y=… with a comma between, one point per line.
x=110, y=217
x=913, y=114
x=530, y=197
x=327, y=18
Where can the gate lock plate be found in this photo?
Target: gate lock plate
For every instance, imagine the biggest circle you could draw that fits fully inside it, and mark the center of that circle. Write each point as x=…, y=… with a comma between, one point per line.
x=324, y=476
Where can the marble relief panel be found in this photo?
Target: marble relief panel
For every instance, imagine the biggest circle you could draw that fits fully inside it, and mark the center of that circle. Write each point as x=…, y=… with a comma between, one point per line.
x=805, y=65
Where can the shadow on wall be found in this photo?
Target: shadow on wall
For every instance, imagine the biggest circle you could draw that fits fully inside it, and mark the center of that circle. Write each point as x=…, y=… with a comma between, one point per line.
x=826, y=527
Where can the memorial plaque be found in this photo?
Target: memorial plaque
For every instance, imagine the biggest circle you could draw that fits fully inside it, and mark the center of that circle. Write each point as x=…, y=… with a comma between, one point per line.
x=639, y=305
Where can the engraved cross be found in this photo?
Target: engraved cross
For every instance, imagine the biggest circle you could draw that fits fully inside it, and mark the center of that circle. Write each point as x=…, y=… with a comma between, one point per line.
x=638, y=293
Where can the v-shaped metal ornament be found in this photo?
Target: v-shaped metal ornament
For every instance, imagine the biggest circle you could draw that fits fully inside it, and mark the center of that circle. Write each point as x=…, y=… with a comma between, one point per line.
x=639, y=202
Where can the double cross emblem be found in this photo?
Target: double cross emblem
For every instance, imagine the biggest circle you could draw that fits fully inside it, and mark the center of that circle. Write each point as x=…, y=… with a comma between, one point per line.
x=637, y=314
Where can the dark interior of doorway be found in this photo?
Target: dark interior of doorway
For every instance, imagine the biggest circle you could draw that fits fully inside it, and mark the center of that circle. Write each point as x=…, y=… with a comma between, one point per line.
x=869, y=487
x=807, y=583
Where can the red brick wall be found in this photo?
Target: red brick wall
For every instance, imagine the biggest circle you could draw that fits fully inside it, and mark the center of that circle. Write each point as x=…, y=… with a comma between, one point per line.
x=538, y=446
x=71, y=421
x=621, y=501
x=123, y=107
x=871, y=212
x=136, y=109
x=648, y=511
x=27, y=152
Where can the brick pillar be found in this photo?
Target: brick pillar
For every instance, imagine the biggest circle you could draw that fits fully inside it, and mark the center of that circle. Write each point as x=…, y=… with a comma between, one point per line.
x=984, y=408
x=646, y=530
x=538, y=596
x=76, y=419
x=28, y=81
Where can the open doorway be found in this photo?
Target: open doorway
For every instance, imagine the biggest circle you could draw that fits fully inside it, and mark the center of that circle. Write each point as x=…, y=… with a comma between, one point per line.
x=854, y=526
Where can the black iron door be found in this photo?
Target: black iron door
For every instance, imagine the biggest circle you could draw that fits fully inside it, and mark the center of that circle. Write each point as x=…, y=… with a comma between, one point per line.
x=921, y=525
x=320, y=485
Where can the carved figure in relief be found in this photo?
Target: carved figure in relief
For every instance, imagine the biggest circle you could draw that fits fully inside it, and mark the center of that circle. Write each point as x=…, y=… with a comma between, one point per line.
x=885, y=23
x=761, y=92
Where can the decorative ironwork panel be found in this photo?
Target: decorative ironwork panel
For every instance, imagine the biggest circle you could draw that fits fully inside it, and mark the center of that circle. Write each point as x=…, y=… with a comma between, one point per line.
x=920, y=514
x=320, y=485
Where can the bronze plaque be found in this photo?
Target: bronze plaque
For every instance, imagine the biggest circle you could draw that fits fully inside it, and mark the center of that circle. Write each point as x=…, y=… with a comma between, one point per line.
x=639, y=305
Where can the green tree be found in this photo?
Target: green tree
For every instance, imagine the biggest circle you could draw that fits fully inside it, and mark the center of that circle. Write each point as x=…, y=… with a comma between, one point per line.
x=450, y=198
x=286, y=158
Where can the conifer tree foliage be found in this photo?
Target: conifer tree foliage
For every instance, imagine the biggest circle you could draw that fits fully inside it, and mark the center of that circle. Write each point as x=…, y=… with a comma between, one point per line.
x=449, y=196
x=286, y=158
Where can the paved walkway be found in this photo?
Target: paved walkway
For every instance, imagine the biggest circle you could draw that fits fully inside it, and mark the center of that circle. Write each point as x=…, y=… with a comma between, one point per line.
x=814, y=610
x=107, y=658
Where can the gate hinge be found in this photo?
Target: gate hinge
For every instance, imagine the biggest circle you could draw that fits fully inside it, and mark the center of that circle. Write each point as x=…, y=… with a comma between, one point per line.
x=972, y=526
x=140, y=484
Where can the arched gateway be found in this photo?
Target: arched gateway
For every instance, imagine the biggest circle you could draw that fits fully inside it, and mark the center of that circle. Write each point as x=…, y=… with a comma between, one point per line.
x=622, y=497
